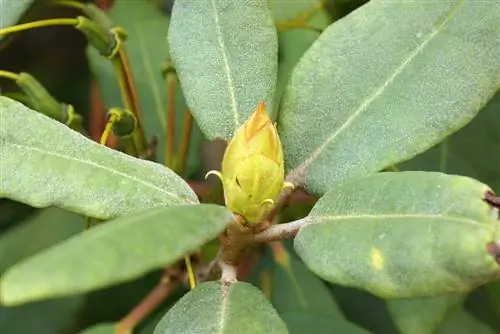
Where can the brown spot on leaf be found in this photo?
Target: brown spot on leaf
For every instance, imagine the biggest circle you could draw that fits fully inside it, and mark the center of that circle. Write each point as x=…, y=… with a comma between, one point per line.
x=493, y=248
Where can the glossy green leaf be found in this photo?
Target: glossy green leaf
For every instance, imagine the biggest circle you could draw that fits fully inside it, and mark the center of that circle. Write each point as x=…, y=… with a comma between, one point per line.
x=44, y=229
x=296, y=289
x=146, y=28
x=11, y=12
x=421, y=315
x=47, y=164
x=367, y=95
x=493, y=296
x=108, y=328
x=47, y=317
x=225, y=53
x=462, y=322
x=402, y=235
x=214, y=307
x=473, y=151
x=300, y=323
x=304, y=301
x=294, y=42
x=364, y=309
x=118, y=251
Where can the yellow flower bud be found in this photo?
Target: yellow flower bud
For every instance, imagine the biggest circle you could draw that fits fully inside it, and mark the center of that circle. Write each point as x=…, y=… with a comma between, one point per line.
x=253, y=168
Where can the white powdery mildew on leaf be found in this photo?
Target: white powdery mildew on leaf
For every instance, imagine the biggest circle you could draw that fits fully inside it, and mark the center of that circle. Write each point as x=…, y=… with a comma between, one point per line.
x=45, y=163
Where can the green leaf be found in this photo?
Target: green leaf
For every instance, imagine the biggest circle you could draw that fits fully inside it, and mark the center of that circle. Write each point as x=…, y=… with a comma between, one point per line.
x=296, y=289
x=12, y=11
x=304, y=301
x=421, y=315
x=367, y=95
x=146, y=28
x=215, y=307
x=402, y=235
x=462, y=322
x=311, y=323
x=225, y=53
x=44, y=229
x=493, y=293
x=294, y=42
x=47, y=164
x=114, y=252
x=473, y=151
x=108, y=328
x=47, y=317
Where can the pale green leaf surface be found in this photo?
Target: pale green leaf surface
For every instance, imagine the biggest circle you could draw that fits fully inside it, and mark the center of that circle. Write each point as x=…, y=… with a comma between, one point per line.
x=225, y=53
x=44, y=163
x=402, y=235
x=214, y=307
x=473, y=151
x=385, y=83
x=11, y=11
x=421, y=315
x=148, y=53
x=114, y=252
x=44, y=229
x=300, y=323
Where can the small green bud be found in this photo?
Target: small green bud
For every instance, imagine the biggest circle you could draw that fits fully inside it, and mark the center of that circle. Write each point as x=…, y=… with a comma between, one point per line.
x=253, y=168
x=103, y=40
x=124, y=122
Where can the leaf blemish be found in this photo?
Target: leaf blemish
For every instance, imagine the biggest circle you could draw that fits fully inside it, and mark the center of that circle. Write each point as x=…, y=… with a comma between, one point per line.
x=378, y=259
x=494, y=202
x=493, y=248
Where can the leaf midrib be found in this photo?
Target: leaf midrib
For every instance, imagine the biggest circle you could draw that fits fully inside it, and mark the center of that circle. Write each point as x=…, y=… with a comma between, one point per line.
x=112, y=171
x=227, y=68
x=299, y=172
x=320, y=219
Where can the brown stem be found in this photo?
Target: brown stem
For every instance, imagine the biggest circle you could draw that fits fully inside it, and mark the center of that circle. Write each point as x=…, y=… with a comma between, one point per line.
x=127, y=84
x=182, y=155
x=171, y=80
x=154, y=298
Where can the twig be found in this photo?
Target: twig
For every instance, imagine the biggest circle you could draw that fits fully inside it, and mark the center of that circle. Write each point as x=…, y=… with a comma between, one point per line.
x=281, y=231
x=154, y=298
x=229, y=272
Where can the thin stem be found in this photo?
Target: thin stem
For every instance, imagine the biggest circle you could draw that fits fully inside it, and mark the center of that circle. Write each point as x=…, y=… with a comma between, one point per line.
x=154, y=298
x=39, y=24
x=182, y=155
x=107, y=130
x=128, y=101
x=68, y=3
x=171, y=80
x=281, y=231
x=229, y=272
x=9, y=75
x=189, y=267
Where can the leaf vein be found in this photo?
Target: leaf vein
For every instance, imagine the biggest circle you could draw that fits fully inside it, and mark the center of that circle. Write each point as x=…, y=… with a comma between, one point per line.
x=91, y=163
x=227, y=68
x=299, y=171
